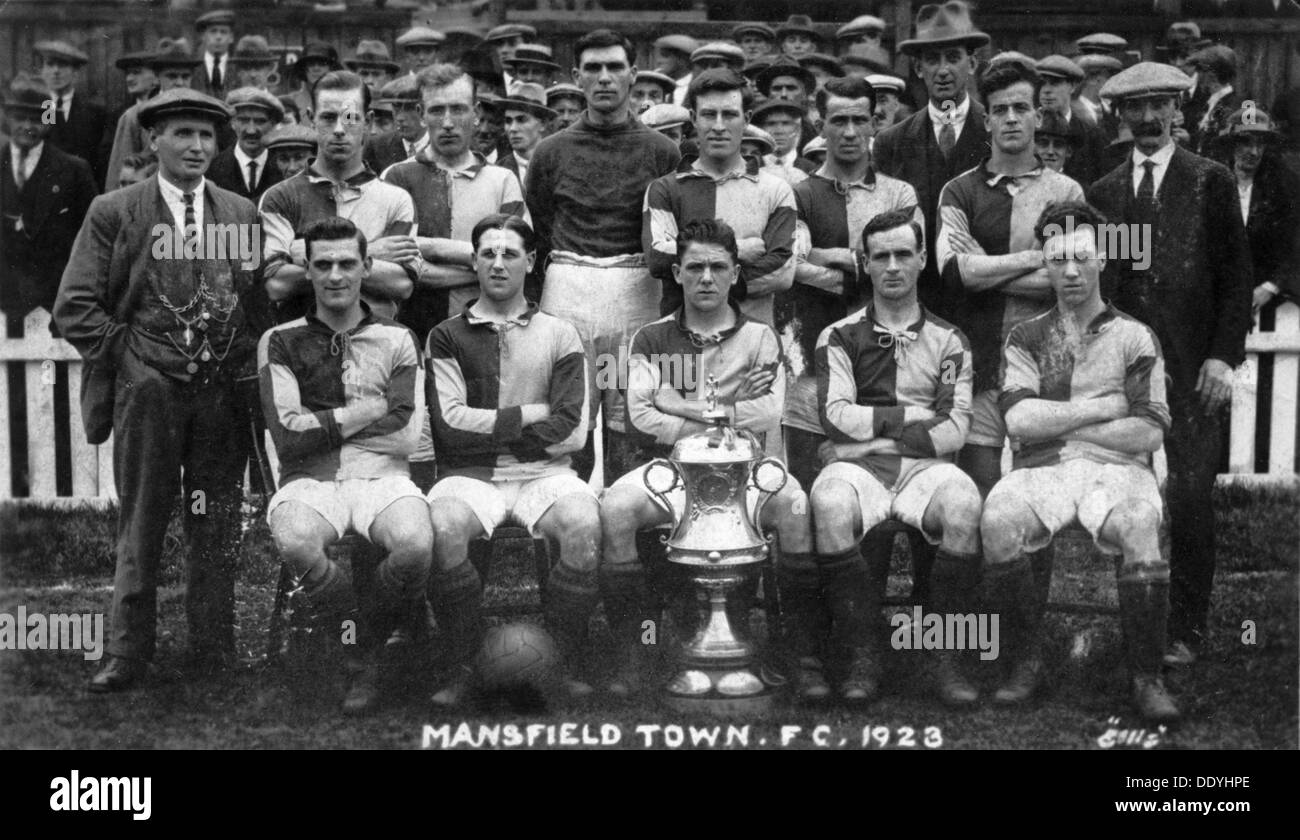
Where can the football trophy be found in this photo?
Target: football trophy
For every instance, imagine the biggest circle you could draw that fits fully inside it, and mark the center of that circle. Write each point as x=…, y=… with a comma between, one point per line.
x=715, y=540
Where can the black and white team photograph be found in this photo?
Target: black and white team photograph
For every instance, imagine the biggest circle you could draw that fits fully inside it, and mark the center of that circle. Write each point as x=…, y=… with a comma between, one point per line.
x=628, y=375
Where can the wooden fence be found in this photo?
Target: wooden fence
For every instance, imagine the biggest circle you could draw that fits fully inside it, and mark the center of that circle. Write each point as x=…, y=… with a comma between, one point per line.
x=85, y=472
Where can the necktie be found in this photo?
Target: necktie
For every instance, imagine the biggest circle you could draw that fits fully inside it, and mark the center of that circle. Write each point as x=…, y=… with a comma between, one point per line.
x=191, y=221
x=1146, y=194
x=20, y=179
x=216, y=72
x=252, y=175
x=60, y=118
x=947, y=139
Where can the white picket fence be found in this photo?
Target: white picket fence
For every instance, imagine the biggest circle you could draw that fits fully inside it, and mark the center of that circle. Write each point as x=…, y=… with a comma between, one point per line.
x=92, y=466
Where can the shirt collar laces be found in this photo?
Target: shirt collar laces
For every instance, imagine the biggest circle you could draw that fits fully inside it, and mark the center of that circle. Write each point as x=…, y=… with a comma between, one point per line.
x=898, y=339
x=341, y=343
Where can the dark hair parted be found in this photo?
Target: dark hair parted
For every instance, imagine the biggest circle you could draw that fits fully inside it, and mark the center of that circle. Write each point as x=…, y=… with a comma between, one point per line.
x=845, y=88
x=708, y=232
x=504, y=221
x=332, y=229
x=882, y=222
x=599, y=39
x=1003, y=76
x=720, y=80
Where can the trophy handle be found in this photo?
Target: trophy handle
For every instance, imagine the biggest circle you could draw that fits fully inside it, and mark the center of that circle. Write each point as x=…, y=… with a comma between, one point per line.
x=662, y=493
x=766, y=493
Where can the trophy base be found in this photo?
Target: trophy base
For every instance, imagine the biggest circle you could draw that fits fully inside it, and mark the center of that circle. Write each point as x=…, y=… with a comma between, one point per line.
x=721, y=692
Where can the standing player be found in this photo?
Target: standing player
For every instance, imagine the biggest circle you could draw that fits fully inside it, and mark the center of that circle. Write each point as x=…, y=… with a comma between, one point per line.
x=1084, y=393
x=507, y=391
x=339, y=395
x=894, y=384
x=720, y=184
x=986, y=245
x=586, y=187
x=711, y=337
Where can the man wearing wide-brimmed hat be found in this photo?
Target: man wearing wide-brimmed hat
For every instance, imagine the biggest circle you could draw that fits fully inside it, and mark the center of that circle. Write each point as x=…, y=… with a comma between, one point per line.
x=373, y=64
x=1193, y=287
x=755, y=39
x=419, y=46
x=166, y=340
x=254, y=63
x=947, y=136
x=244, y=168
x=798, y=37
x=525, y=117
x=44, y=194
x=316, y=59
x=216, y=34
x=80, y=125
x=532, y=64
x=173, y=66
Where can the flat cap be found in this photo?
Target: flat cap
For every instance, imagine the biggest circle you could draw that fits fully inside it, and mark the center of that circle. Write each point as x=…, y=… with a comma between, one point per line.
x=773, y=106
x=183, y=102
x=665, y=115
x=882, y=81
x=825, y=62
x=860, y=25
x=173, y=53
x=60, y=50
x=681, y=43
x=1218, y=59
x=814, y=146
x=420, y=36
x=139, y=58
x=511, y=30
x=251, y=97
x=218, y=17
x=765, y=141
x=291, y=137
x=1013, y=57
x=562, y=90
x=729, y=53
x=402, y=89
x=1101, y=43
x=798, y=25
x=1059, y=67
x=668, y=83
x=536, y=54
x=1094, y=62
x=760, y=29
x=874, y=58
x=1146, y=78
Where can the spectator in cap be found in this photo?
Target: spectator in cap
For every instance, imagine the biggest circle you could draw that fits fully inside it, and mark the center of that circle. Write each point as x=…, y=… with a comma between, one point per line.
x=1097, y=70
x=532, y=64
x=419, y=45
x=245, y=168
x=755, y=39
x=946, y=137
x=173, y=66
x=382, y=121
x=672, y=55
x=141, y=81
x=216, y=34
x=317, y=59
x=668, y=119
x=165, y=346
x=1101, y=43
x=567, y=101
x=815, y=151
x=1181, y=40
x=1193, y=287
x=717, y=55
x=504, y=40
x=81, y=126
x=408, y=136
x=525, y=117
x=1054, y=140
x=136, y=168
x=798, y=37
x=1216, y=72
x=890, y=108
x=254, y=63
x=864, y=32
x=1058, y=94
x=783, y=120
x=292, y=149
x=489, y=134
x=44, y=195
x=822, y=67
x=788, y=80
x=373, y=64
x=651, y=88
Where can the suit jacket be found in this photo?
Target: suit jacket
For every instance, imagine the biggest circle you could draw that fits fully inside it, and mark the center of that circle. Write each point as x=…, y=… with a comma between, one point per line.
x=1196, y=292
x=908, y=151
x=1273, y=228
x=40, y=224
x=383, y=151
x=1086, y=164
x=225, y=172
x=83, y=135
x=1223, y=109
x=202, y=81
x=113, y=274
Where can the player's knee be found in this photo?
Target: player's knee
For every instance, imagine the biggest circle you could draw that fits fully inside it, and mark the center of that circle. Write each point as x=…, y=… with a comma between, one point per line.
x=1134, y=522
x=298, y=545
x=833, y=501
x=451, y=522
x=1001, y=529
x=960, y=508
x=576, y=519
x=622, y=512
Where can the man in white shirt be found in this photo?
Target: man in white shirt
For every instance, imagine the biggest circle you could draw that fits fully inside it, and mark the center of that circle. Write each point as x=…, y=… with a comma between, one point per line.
x=216, y=34
x=243, y=168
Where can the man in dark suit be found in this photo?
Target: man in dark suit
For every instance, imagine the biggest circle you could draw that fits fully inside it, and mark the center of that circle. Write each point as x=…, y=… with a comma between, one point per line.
x=409, y=135
x=216, y=35
x=80, y=125
x=163, y=330
x=44, y=194
x=526, y=117
x=942, y=140
x=1216, y=75
x=244, y=168
x=1192, y=284
x=1061, y=79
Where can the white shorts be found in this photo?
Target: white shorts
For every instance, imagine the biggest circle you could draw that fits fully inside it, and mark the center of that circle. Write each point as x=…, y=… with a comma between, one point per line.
x=906, y=503
x=351, y=503
x=520, y=502
x=1078, y=489
x=677, y=496
x=987, y=425
x=608, y=300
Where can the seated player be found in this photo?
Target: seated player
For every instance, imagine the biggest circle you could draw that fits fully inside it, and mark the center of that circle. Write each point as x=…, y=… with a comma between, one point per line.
x=894, y=385
x=705, y=337
x=340, y=399
x=1084, y=394
x=507, y=392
